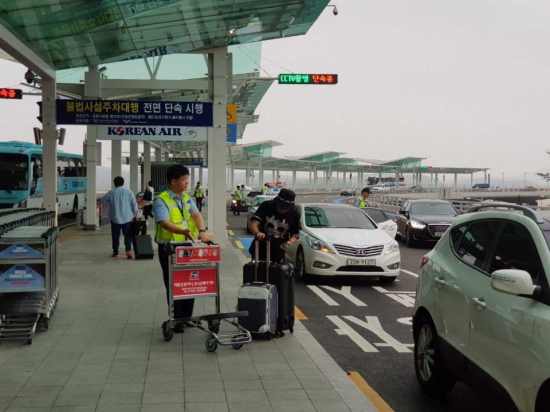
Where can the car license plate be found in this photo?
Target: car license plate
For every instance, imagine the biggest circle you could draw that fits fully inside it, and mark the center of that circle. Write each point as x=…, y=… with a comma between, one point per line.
x=361, y=262
x=439, y=234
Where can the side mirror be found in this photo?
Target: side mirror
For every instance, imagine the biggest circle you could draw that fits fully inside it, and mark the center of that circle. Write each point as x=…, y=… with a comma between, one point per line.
x=513, y=282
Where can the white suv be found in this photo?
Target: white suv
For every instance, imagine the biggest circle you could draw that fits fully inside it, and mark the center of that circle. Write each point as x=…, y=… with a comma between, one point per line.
x=381, y=187
x=482, y=312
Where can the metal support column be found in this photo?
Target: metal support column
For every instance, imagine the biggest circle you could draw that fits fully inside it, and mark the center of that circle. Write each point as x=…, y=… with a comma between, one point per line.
x=309, y=185
x=231, y=179
x=219, y=76
x=200, y=176
x=92, y=90
x=146, y=164
x=134, y=167
x=431, y=180
x=471, y=179
x=49, y=154
x=248, y=173
x=484, y=176
x=436, y=180
x=315, y=180
x=116, y=160
x=158, y=154
x=166, y=157
x=456, y=181
x=294, y=180
x=192, y=184
x=261, y=175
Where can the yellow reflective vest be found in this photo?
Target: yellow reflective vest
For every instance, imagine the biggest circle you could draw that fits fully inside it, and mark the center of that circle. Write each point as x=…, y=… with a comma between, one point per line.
x=199, y=192
x=238, y=195
x=362, y=202
x=177, y=216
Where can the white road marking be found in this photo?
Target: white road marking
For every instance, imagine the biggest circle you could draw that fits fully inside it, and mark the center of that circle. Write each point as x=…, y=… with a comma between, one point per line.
x=409, y=273
x=405, y=300
x=346, y=292
x=326, y=298
x=382, y=290
x=346, y=330
x=373, y=325
x=406, y=321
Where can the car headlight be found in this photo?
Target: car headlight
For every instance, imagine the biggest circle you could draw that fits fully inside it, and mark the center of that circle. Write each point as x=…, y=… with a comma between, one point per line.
x=417, y=225
x=234, y=201
x=392, y=248
x=317, y=244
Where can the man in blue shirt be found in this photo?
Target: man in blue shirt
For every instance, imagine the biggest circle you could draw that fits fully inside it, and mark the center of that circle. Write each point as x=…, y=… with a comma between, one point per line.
x=123, y=209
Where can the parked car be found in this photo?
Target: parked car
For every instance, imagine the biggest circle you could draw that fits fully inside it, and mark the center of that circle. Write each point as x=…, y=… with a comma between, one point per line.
x=530, y=189
x=424, y=220
x=416, y=189
x=247, y=200
x=348, y=192
x=481, y=186
x=482, y=310
x=254, y=205
x=381, y=187
x=382, y=220
x=338, y=239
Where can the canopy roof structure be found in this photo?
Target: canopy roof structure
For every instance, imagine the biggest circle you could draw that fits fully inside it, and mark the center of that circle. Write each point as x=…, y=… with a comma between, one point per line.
x=77, y=33
x=256, y=155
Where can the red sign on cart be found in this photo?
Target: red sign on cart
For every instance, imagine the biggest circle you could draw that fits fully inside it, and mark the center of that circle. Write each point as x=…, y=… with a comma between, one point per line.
x=188, y=283
x=199, y=254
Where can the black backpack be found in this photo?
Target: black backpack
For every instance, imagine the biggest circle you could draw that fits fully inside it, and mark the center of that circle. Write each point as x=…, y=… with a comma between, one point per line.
x=148, y=195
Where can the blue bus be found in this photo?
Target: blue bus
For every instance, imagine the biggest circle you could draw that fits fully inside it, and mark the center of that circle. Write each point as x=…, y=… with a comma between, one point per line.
x=21, y=178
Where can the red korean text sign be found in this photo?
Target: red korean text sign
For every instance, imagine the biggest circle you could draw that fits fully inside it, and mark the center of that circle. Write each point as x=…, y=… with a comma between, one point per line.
x=11, y=94
x=197, y=254
x=308, y=79
x=191, y=283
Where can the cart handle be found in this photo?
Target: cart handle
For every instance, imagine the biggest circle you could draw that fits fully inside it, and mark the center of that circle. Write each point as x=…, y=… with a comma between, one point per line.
x=170, y=247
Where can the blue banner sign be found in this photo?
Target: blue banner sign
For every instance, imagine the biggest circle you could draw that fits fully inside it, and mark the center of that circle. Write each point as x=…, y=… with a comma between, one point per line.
x=231, y=133
x=21, y=277
x=20, y=251
x=116, y=112
x=188, y=161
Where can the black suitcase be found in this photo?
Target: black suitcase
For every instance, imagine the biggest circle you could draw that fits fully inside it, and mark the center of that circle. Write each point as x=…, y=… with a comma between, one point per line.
x=139, y=228
x=143, y=247
x=282, y=276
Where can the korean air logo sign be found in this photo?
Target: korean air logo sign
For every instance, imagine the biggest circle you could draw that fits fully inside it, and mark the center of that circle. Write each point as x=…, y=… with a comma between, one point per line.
x=152, y=133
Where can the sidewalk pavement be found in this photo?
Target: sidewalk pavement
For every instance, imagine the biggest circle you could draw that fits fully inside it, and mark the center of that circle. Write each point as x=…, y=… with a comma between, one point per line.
x=104, y=350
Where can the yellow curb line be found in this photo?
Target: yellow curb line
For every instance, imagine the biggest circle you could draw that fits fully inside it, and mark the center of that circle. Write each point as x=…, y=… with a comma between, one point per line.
x=239, y=244
x=299, y=314
x=67, y=235
x=70, y=224
x=230, y=232
x=379, y=403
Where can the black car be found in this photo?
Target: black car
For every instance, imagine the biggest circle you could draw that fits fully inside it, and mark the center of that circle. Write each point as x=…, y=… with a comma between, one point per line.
x=424, y=220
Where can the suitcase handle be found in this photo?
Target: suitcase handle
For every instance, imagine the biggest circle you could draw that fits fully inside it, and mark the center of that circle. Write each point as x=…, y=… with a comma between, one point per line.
x=257, y=258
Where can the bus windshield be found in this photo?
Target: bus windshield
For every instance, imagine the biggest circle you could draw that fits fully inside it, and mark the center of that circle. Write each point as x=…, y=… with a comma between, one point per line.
x=14, y=171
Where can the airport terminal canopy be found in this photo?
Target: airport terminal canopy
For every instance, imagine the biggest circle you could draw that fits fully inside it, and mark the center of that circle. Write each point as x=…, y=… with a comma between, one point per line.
x=79, y=33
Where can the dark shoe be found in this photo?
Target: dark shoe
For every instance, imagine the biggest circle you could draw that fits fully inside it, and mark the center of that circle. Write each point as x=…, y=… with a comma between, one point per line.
x=179, y=328
x=114, y=255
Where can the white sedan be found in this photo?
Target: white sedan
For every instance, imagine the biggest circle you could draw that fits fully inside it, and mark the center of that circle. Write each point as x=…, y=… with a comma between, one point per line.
x=338, y=239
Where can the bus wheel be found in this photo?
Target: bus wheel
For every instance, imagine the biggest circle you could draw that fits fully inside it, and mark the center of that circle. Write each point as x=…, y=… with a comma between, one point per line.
x=75, y=206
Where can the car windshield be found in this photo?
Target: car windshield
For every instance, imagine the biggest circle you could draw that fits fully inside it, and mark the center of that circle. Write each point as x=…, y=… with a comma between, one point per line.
x=375, y=214
x=431, y=209
x=14, y=171
x=336, y=218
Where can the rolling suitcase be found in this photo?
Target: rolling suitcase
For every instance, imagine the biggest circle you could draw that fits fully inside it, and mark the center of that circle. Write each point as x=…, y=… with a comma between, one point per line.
x=139, y=228
x=143, y=247
x=260, y=300
x=282, y=276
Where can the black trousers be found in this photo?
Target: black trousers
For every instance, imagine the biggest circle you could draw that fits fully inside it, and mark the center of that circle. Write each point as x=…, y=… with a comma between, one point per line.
x=182, y=308
x=148, y=211
x=198, y=201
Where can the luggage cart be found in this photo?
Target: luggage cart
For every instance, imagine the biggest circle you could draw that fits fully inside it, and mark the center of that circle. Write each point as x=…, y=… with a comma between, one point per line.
x=194, y=272
x=28, y=280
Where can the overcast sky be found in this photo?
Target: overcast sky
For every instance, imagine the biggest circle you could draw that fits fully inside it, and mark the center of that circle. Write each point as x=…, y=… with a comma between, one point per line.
x=465, y=83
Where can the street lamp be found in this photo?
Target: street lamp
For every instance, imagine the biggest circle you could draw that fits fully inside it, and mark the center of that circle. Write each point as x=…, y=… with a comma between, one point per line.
x=525, y=179
x=502, y=185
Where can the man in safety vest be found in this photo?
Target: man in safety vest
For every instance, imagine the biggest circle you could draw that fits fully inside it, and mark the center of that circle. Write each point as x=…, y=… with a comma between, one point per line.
x=265, y=189
x=238, y=198
x=363, y=200
x=199, y=195
x=177, y=219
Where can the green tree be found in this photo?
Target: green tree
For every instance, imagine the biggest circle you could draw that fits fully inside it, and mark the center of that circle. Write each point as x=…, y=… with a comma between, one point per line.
x=545, y=176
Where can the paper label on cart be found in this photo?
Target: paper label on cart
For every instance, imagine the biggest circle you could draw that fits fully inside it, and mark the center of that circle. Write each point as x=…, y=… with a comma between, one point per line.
x=20, y=251
x=21, y=276
x=197, y=254
x=193, y=282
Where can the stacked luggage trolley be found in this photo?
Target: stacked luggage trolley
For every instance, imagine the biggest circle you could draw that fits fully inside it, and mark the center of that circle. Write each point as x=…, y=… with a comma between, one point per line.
x=28, y=272
x=194, y=272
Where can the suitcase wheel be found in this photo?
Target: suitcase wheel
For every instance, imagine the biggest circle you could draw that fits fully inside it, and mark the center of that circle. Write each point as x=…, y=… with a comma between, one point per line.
x=236, y=345
x=268, y=335
x=291, y=330
x=167, y=332
x=211, y=345
x=279, y=334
